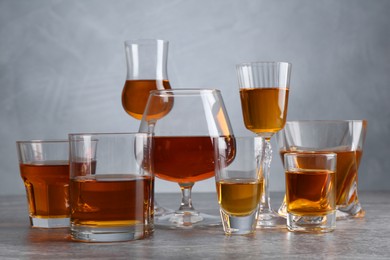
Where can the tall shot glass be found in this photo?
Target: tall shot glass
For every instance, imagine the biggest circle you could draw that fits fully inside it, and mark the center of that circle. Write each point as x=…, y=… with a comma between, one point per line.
x=239, y=182
x=310, y=191
x=44, y=168
x=111, y=187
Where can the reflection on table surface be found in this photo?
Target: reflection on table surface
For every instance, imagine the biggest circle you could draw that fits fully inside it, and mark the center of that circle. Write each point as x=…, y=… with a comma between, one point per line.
x=365, y=238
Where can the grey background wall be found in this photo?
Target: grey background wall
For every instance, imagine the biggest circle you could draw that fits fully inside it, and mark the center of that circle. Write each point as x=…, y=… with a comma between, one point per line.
x=62, y=66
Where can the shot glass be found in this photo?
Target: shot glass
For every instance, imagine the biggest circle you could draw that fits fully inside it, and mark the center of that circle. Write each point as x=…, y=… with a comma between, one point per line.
x=310, y=191
x=111, y=187
x=240, y=182
x=44, y=168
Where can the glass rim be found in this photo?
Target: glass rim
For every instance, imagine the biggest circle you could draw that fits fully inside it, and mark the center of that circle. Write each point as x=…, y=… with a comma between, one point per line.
x=327, y=121
x=183, y=91
x=36, y=141
x=262, y=63
x=243, y=136
x=144, y=40
x=311, y=154
x=108, y=134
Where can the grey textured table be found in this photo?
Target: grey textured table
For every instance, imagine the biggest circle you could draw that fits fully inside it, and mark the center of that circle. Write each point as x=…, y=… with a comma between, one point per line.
x=367, y=238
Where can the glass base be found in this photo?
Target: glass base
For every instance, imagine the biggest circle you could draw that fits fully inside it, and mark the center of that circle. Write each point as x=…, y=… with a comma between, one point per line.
x=282, y=211
x=270, y=219
x=187, y=220
x=160, y=211
x=49, y=222
x=312, y=224
x=352, y=211
x=234, y=225
x=108, y=234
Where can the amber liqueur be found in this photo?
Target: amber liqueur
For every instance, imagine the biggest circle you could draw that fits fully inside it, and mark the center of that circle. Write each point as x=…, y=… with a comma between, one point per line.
x=186, y=159
x=111, y=200
x=239, y=197
x=264, y=109
x=44, y=180
x=310, y=192
x=135, y=95
x=346, y=173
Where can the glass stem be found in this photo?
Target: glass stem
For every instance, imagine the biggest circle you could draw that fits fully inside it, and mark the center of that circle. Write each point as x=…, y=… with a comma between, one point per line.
x=158, y=210
x=265, y=201
x=151, y=128
x=186, y=200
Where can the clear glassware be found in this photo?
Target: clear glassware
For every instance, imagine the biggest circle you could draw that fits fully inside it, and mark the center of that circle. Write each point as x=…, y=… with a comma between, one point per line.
x=264, y=91
x=146, y=70
x=343, y=137
x=239, y=182
x=111, y=188
x=310, y=191
x=146, y=61
x=184, y=123
x=44, y=168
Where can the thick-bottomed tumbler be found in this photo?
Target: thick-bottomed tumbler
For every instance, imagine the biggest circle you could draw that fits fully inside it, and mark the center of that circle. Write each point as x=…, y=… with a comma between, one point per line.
x=44, y=168
x=111, y=187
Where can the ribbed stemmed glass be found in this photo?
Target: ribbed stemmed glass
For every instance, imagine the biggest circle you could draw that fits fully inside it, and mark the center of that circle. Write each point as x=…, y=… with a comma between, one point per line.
x=264, y=91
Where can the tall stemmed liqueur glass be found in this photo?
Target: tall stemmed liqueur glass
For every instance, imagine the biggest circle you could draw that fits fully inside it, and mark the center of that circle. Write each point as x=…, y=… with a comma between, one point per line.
x=185, y=124
x=146, y=61
x=264, y=91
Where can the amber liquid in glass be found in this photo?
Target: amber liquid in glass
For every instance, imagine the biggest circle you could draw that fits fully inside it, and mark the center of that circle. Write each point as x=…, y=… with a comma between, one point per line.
x=83, y=168
x=310, y=192
x=111, y=200
x=346, y=173
x=264, y=109
x=186, y=159
x=135, y=95
x=47, y=186
x=239, y=197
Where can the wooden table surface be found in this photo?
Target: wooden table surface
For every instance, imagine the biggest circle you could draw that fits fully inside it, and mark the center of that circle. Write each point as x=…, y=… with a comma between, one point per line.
x=367, y=238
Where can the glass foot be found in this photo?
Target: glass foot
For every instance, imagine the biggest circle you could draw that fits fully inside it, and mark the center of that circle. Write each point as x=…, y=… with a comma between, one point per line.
x=354, y=210
x=270, y=219
x=50, y=222
x=187, y=220
x=160, y=211
x=282, y=211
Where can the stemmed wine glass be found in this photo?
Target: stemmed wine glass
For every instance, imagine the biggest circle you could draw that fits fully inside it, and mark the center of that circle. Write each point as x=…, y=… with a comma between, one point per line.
x=184, y=124
x=264, y=91
x=146, y=61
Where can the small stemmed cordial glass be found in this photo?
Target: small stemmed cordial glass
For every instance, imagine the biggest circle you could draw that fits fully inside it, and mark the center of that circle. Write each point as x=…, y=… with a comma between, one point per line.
x=264, y=91
x=184, y=124
x=146, y=61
